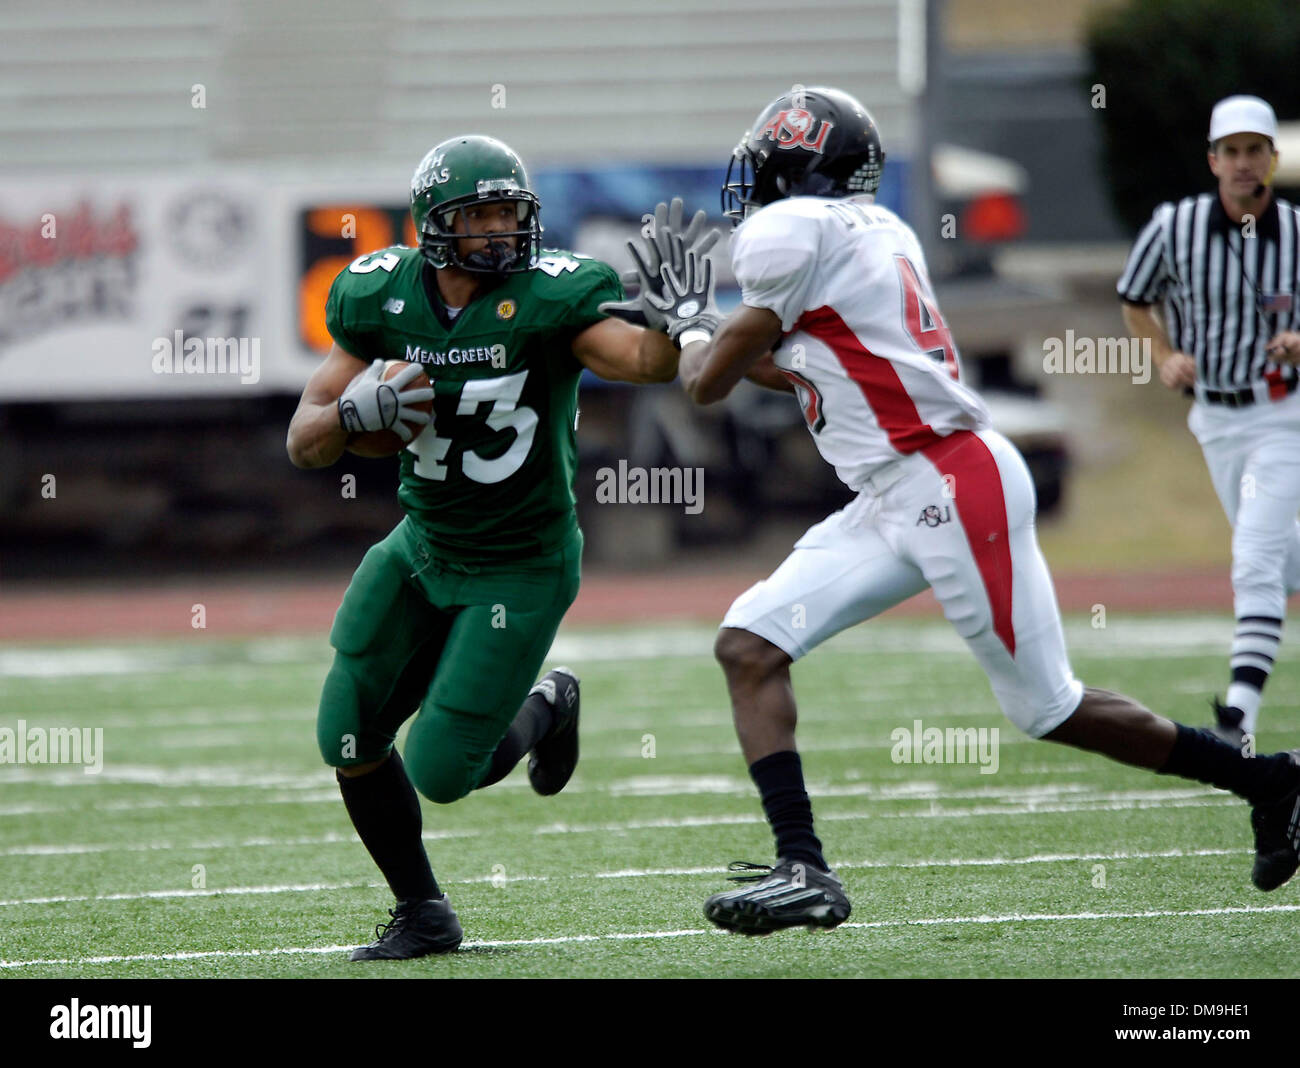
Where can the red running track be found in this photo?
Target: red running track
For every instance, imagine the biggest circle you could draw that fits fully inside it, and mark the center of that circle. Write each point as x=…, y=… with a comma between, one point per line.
x=274, y=606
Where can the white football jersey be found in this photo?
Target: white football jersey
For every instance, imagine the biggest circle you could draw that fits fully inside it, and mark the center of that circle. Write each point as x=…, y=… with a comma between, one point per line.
x=869, y=354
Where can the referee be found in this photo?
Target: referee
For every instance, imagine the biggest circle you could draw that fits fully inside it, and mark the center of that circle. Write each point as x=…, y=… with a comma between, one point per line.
x=1226, y=266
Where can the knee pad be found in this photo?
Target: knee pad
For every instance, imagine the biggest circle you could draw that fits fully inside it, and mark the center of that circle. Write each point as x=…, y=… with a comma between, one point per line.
x=340, y=735
x=437, y=761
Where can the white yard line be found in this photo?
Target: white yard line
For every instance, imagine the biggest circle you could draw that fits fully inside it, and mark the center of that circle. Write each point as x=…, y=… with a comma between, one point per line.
x=75, y=849
x=144, y=895
x=950, y=862
x=311, y=792
x=933, y=812
x=629, y=873
x=1033, y=917
x=1123, y=638
x=1041, y=917
x=1116, y=802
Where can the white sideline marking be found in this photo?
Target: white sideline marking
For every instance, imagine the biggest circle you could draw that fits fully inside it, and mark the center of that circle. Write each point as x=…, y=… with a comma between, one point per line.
x=143, y=895
x=211, y=775
x=1015, y=917
x=302, y=792
x=629, y=873
x=1030, y=917
x=934, y=812
x=1040, y=809
x=1121, y=802
x=247, y=843
x=950, y=862
x=1131, y=638
x=197, y=955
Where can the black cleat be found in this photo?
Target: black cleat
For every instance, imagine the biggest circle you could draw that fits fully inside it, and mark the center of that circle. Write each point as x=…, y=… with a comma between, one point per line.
x=418, y=928
x=556, y=755
x=1277, y=837
x=1227, y=724
x=792, y=894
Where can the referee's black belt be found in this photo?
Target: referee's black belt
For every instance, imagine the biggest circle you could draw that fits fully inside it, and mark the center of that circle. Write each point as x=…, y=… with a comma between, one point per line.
x=1244, y=398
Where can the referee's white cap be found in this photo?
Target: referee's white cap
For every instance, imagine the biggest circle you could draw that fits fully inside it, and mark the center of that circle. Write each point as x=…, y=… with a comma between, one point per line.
x=1242, y=114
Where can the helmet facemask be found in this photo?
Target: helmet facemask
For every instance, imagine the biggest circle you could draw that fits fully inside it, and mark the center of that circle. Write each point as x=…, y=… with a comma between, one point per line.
x=440, y=237
x=738, y=196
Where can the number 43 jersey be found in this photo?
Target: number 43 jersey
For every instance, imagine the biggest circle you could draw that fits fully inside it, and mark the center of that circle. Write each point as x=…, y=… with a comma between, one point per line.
x=491, y=475
x=872, y=362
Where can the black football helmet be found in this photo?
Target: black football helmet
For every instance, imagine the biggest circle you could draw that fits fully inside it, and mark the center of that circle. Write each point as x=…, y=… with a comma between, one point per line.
x=816, y=142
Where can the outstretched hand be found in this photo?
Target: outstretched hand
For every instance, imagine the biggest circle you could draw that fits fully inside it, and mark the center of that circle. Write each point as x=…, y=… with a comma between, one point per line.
x=667, y=245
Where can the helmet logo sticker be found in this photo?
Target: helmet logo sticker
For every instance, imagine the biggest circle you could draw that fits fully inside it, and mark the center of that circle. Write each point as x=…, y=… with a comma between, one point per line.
x=431, y=172
x=793, y=128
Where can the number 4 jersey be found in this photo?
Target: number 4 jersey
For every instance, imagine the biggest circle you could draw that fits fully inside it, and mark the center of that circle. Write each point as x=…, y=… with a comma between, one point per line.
x=869, y=354
x=492, y=473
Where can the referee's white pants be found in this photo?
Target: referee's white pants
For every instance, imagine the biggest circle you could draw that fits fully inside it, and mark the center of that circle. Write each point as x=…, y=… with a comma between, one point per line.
x=958, y=517
x=1253, y=455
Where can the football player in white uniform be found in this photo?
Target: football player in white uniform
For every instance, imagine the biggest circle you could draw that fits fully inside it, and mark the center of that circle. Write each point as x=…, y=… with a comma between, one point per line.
x=837, y=307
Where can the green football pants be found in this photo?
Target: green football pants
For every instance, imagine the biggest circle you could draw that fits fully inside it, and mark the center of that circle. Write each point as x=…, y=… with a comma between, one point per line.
x=460, y=643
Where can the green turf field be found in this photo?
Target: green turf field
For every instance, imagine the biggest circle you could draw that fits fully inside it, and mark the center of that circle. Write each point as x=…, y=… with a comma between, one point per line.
x=1059, y=864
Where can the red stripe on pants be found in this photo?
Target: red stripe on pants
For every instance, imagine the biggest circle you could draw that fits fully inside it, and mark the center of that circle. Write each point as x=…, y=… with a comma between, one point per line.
x=976, y=486
x=875, y=376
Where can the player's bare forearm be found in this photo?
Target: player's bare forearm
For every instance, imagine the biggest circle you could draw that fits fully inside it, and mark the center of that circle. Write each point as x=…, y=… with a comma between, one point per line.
x=711, y=369
x=620, y=352
x=316, y=439
x=765, y=373
x=657, y=356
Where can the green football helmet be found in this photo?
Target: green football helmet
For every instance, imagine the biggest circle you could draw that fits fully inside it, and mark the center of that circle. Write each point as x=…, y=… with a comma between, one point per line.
x=466, y=171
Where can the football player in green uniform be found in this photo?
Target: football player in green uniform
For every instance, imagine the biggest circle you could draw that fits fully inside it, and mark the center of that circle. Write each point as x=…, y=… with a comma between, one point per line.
x=451, y=615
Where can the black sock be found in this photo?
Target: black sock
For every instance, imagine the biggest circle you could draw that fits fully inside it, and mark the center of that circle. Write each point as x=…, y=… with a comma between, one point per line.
x=530, y=725
x=779, y=778
x=385, y=810
x=1199, y=755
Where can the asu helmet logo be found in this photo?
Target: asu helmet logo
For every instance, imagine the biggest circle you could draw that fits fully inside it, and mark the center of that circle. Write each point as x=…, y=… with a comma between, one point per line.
x=793, y=128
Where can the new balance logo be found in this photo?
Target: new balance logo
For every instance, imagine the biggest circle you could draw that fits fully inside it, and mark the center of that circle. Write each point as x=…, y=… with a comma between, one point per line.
x=392, y=304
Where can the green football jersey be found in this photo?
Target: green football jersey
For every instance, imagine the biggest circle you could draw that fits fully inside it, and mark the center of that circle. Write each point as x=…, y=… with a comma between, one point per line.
x=491, y=475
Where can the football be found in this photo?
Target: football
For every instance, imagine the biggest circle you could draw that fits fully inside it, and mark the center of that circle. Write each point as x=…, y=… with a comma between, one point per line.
x=376, y=443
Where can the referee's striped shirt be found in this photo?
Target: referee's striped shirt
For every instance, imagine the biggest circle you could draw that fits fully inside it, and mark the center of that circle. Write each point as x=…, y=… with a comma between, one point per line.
x=1224, y=294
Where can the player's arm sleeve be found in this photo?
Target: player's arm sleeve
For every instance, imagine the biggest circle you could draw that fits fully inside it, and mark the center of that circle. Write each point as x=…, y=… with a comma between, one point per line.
x=1147, y=273
x=343, y=320
x=577, y=306
x=599, y=284
x=773, y=259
